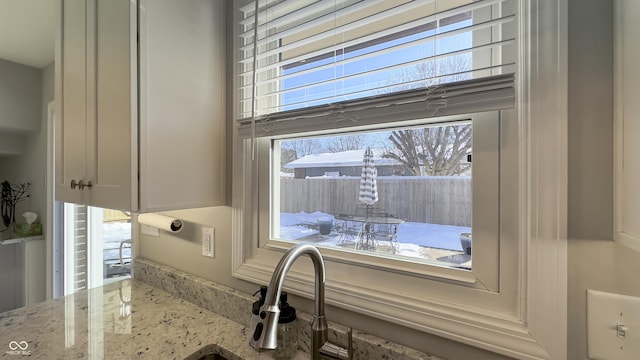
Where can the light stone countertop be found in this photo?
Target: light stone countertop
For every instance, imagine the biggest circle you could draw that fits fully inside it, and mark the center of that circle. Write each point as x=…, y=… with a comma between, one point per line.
x=128, y=319
x=234, y=305
x=150, y=318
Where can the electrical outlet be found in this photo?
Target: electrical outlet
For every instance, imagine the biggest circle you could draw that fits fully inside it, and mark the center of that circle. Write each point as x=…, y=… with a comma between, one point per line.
x=613, y=326
x=208, y=242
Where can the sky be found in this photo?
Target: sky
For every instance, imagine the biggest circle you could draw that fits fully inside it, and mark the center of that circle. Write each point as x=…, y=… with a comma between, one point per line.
x=378, y=139
x=364, y=80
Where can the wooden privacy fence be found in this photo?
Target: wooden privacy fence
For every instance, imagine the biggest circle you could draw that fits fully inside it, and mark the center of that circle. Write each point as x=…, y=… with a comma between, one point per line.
x=435, y=200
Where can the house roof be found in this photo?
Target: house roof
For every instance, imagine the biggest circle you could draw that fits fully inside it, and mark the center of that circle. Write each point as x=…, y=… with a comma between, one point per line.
x=344, y=158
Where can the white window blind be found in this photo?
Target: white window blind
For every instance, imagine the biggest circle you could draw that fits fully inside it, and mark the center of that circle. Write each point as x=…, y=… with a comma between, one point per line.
x=308, y=65
x=76, y=235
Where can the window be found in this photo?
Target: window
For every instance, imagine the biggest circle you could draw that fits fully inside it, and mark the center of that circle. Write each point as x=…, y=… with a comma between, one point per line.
x=396, y=80
x=418, y=209
x=97, y=246
x=403, y=193
x=369, y=77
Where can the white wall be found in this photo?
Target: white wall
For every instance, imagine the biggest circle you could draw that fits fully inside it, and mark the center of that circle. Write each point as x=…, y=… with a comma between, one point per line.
x=32, y=165
x=28, y=260
x=12, y=144
x=19, y=97
x=595, y=260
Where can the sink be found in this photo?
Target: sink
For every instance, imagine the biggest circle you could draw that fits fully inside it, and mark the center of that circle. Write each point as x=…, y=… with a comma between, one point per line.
x=213, y=352
x=212, y=357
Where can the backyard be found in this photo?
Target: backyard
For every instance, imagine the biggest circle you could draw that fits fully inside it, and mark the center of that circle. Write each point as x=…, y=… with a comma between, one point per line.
x=431, y=242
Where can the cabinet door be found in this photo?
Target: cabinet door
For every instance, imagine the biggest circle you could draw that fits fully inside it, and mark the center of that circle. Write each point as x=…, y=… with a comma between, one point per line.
x=182, y=104
x=113, y=158
x=71, y=106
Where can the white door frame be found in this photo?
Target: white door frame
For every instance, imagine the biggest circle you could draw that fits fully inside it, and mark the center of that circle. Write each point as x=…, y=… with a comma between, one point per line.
x=53, y=231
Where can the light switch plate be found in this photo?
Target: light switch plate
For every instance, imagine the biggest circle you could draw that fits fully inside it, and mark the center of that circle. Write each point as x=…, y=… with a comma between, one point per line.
x=613, y=326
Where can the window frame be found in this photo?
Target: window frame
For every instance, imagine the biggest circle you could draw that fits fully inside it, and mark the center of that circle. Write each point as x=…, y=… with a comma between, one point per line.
x=529, y=320
x=377, y=283
x=623, y=233
x=484, y=275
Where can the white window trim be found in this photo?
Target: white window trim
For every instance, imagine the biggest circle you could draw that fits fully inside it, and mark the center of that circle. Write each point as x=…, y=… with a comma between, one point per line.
x=484, y=276
x=530, y=320
x=621, y=233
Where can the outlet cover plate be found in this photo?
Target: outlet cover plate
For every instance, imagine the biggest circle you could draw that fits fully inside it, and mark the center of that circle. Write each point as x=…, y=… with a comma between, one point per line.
x=149, y=230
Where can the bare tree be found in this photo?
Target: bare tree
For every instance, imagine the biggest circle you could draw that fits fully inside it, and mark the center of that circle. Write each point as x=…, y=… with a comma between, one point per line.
x=345, y=143
x=286, y=156
x=405, y=142
x=446, y=149
x=437, y=150
x=431, y=72
x=302, y=147
x=291, y=150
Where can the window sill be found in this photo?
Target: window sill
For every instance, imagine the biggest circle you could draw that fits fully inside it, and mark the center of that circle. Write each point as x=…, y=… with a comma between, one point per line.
x=491, y=330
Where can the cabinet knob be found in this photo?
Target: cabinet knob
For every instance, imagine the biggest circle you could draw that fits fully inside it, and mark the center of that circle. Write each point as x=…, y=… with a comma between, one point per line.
x=82, y=185
x=74, y=184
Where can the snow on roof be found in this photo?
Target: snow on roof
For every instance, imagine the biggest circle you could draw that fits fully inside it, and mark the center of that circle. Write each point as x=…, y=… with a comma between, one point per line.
x=344, y=158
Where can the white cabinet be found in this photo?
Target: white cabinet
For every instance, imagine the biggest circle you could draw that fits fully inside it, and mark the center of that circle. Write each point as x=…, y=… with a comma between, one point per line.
x=71, y=137
x=140, y=96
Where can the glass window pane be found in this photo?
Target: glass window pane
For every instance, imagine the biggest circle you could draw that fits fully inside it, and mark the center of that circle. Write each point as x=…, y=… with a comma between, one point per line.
x=404, y=193
x=93, y=240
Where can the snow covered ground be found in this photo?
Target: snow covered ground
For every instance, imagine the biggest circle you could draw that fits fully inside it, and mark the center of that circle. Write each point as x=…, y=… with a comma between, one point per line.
x=411, y=237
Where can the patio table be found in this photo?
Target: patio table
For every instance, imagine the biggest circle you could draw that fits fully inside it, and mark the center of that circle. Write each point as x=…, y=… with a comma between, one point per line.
x=372, y=229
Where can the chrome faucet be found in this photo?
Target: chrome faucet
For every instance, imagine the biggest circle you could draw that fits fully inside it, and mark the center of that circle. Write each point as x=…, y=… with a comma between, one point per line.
x=265, y=333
